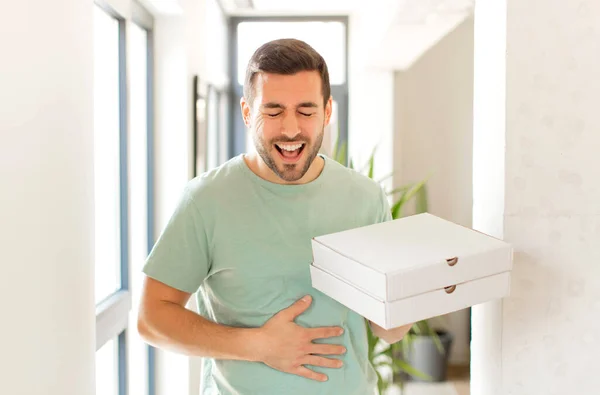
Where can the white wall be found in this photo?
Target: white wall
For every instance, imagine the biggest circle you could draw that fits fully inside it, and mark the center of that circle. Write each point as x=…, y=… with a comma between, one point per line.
x=433, y=136
x=215, y=63
x=549, y=325
x=47, y=334
x=371, y=101
x=552, y=321
x=433, y=125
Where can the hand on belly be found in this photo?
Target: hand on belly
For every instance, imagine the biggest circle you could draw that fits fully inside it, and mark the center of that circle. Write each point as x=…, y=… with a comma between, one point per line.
x=286, y=346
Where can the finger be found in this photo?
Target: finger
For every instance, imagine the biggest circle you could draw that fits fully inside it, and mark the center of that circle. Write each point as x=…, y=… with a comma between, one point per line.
x=322, y=361
x=310, y=374
x=297, y=308
x=327, y=349
x=325, y=332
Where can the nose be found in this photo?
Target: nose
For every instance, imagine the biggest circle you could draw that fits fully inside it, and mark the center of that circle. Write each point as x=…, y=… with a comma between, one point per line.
x=289, y=126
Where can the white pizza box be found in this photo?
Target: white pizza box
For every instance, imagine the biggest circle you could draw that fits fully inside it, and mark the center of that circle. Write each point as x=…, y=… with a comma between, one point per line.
x=409, y=269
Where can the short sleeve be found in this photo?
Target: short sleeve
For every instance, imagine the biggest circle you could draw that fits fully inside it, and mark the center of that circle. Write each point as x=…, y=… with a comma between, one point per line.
x=180, y=257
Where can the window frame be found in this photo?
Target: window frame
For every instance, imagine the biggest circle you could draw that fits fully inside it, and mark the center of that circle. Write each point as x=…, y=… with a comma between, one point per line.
x=142, y=18
x=112, y=313
x=237, y=135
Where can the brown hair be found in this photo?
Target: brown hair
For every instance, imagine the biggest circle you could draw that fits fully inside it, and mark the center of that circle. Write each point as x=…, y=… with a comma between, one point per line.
x=287, y=57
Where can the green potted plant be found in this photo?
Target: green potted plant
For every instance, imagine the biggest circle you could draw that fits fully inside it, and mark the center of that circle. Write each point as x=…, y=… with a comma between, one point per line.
x=395, y=364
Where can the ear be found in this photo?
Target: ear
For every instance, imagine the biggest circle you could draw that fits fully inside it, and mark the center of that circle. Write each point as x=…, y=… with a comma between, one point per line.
x=246, y=111
x=328, y=110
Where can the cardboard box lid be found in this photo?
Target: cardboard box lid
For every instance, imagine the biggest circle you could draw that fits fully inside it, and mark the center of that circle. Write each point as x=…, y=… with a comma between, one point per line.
x=410, y=256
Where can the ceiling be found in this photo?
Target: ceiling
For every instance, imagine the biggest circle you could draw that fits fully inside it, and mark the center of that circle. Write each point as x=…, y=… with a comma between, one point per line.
x=306, y=7
x=408, y=10
x=402, y=29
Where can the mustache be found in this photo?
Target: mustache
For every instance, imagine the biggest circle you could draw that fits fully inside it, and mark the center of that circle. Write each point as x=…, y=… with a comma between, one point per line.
x=299, y=139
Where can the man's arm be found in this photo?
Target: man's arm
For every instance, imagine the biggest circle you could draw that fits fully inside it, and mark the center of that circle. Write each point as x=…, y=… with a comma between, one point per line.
x=390, y=336
x=164, y=322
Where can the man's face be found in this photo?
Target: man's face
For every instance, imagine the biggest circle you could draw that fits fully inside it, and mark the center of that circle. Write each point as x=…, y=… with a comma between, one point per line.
x=287, y=120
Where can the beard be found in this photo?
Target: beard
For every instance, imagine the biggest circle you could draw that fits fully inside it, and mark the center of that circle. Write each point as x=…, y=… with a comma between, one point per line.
x=289, y=172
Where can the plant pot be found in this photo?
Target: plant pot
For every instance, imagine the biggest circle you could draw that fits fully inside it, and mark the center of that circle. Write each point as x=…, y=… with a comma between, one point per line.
x=425, y=357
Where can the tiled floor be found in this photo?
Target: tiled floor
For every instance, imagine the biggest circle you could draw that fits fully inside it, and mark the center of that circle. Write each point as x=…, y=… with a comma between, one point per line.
x=457, y=384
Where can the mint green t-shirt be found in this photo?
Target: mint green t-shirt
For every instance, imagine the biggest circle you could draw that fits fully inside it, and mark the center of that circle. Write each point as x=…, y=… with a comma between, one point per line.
x=244, y=244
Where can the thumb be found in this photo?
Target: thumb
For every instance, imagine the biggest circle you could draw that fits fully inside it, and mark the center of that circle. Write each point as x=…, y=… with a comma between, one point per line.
x=297, y=308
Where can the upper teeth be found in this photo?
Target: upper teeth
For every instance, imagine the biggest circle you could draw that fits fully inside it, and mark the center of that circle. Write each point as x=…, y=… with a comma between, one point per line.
x=289, y=147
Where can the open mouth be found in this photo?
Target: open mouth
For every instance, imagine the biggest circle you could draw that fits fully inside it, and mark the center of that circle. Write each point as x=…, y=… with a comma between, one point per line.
x=290, y=152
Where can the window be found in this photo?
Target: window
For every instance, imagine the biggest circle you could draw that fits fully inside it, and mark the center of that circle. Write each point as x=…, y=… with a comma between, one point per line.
x=141, y=190
x=213, y=123
x=327, y=35
x=110, y=182
x=107, y=155
x=210, y=135
x=107, y=361
x=123, y=157
x=223, y=125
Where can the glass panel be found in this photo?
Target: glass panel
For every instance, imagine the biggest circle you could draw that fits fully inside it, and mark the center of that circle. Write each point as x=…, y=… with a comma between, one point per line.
x=107, y=369
x=138, y=145
x=223, y=127
x=212, y=137
x=327, y=38
x=106, y=154
x=201, y=126
x=138, y=193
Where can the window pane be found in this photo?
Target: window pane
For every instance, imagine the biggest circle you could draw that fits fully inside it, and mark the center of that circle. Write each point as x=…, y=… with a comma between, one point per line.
x=328, y=38
x=106, y=154
x=138, y=184
x=107, y=369
x=223, y=127
x=138, y=145
x=212, y=137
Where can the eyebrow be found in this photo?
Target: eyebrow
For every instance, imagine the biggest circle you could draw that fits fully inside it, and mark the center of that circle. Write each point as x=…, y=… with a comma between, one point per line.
x=272, y=105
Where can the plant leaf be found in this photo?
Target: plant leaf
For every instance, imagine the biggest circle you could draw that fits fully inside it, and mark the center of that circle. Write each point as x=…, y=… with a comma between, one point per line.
x=388, y=352
x=372, y=341
x=335, y=146
x=380, y=383
x=339, y=150
x=342, y=154
x=428, y=331
x=339, y=153
x=385, y=177
x=415, y=189
x=406, y=367
x=425, y=328
x=406, y=345
x=401, y=189
x=438, y=343
x=417, y=328
x=421, y=200
x=397, y=207
x=371, y=165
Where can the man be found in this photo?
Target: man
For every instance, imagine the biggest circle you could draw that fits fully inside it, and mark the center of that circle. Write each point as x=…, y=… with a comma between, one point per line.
x=242, y=236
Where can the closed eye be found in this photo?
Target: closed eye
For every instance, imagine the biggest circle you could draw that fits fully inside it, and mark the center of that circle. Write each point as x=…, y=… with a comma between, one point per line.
x=273, y=115
x=305, y=114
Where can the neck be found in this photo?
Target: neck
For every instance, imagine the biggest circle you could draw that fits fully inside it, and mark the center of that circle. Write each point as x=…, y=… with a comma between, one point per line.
x=260, y=168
